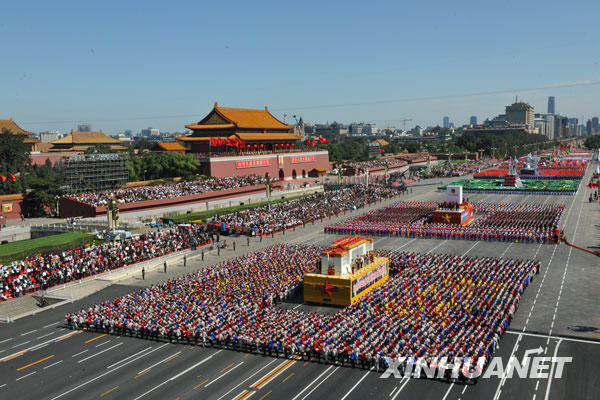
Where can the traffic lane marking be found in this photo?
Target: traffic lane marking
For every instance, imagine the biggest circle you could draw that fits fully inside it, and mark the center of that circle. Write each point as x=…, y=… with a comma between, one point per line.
x=109, y=391
x=52, y=365
x=100, y=352
x=200, y=384
x=35, y=362
x=25, y=376
x=96, y=338
x=122, y=364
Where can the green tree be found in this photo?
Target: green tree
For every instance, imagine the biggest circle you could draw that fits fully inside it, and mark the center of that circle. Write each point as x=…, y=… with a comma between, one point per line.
x=14, y=159
x=41, y=192
x=14, y=152
x=592, y=142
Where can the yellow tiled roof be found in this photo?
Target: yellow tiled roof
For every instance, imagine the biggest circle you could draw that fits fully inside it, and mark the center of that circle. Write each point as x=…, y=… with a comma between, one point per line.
x=171, y=146
x=76, y=137
x=244, y=118
x=193, y=138
x=196, y=127
x=267, y=136
x=12, y=126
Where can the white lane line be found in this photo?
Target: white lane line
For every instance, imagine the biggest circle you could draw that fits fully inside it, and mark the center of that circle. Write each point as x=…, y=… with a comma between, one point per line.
x=49, y=325
x=178, y=375
x=46, y=335
x=222, y=375
x=405, y=244
x=25, y=376
x=17, y=345
x=247, y=379
x=320, y=383
x=104, y=374
x=551, y=371
x=310, y=384
x=357, y=383
x=163, y=360
x=407, y=379
x=6, y=340
x=80, y=353
x=27, y=333
x=448, y=392
x=438, y=245
x=296, y=306
x=52, y=365
x=278, y=369
x=103, y=343
x=135, y=354
x=1, y=386
x=505, y=250
x=391, y=394
x=472, y=247
x=552, y=337
x=100, y=352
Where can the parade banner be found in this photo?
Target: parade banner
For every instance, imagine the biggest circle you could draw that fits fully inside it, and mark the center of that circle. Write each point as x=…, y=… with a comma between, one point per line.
x=370, y=277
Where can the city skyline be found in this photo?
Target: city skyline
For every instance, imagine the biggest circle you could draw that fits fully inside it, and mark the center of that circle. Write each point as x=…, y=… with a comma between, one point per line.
x=118, y=74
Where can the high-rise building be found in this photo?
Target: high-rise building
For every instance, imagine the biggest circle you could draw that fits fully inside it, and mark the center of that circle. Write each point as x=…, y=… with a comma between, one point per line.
x=446, y=122
x=84, y=128
x=595, y=125
x=588, y=127
x=551, y=105
x=473, y=120
x=150, y=132
x=545, y=125
x=561, y=126
x=521, y=114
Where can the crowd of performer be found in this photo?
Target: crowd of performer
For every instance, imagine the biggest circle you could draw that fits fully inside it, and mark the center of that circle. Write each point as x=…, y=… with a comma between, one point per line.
x=382, y=162
x=494, y=221
x=432, y=306
x=459, y=169
x=277, y=217
x=42, y=271
x=165, y=191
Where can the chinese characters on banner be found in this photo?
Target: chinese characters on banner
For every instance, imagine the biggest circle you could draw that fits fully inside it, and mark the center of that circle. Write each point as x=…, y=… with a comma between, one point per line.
x=302, y=159
x=253, y=163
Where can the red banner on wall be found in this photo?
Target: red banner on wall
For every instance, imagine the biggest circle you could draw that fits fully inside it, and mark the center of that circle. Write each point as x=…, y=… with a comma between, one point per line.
x=253, y=163
x=302, y=159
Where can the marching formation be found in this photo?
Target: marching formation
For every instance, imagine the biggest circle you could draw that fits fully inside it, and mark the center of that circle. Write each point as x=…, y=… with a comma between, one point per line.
x=141, y=193
x=43, y=271
x=275, y=218
x=459, y=169
x=432, y=306
x=496, y=221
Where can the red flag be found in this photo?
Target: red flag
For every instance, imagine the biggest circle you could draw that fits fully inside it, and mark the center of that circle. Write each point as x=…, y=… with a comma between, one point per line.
x=323, y=140
x=313, y=142
x=213, y=142
x=308, y=142
x=12, y=177
x=381, y=150
x=2, y=178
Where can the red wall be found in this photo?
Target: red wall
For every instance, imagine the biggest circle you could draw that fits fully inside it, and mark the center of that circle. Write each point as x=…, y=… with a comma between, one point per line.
x=226, y=166
x=71, y=208
x=16, y=200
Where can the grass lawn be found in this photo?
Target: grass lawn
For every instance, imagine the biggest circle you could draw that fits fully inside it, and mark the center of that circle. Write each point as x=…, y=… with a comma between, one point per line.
x=204, y=215
x=23, y=248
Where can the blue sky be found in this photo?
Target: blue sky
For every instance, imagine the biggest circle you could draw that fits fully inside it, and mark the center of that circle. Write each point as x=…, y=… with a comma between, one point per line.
x=128, y=65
